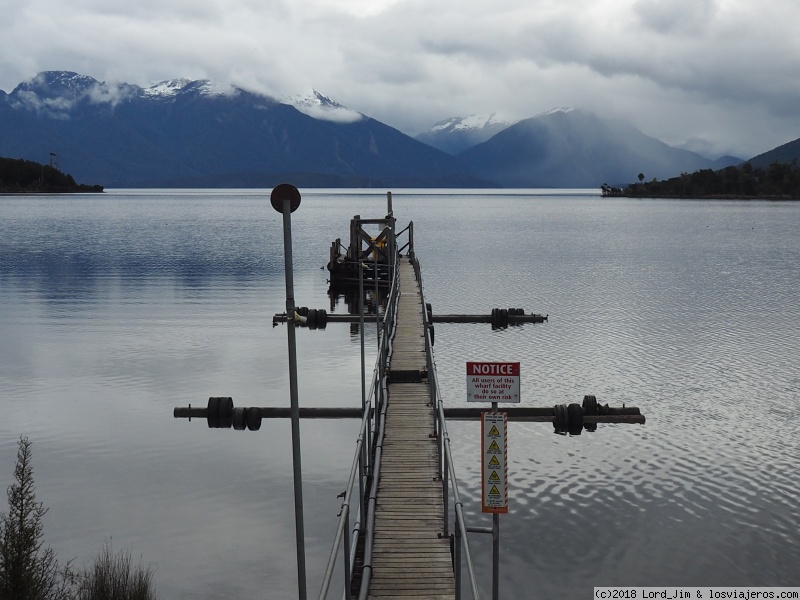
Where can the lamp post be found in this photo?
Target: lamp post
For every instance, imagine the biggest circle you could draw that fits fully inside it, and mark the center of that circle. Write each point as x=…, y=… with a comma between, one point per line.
x=285, y=199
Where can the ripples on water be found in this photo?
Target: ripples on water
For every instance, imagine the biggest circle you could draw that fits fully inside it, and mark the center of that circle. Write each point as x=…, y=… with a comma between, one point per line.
x=687, y=310
x=116, y=309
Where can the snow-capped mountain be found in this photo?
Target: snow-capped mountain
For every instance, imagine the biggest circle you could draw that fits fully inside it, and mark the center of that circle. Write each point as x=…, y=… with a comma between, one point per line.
x=471, y=123
x=566, y=147
x=555, y=111
x=459, y=133
x=170, y=88
x=166, y=89
x=196, y=134
x=185, y=133
x=61, y=84
x=57, y=93
x=320, y=106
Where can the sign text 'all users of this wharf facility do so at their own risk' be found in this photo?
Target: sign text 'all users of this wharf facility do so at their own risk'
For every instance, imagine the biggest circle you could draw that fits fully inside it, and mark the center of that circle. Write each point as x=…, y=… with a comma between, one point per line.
x=493, y=382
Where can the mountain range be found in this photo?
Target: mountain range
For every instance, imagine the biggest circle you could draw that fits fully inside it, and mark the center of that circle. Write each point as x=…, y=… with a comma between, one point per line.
x=183, y=133
x=192, y=134
x=573, y=148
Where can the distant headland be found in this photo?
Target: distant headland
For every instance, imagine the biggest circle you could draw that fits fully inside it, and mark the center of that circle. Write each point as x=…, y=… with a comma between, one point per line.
x=779, y=181
x=18, y=176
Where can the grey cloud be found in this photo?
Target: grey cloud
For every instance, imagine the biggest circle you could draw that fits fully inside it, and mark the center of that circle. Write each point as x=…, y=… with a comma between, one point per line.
x=675, y=16
x=334, y=114
x=410, y=63
x=56, y=108
x=110, y=93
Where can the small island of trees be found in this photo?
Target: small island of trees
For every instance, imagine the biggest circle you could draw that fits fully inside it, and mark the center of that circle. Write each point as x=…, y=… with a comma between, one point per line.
x=779, y=181
x=29, y=177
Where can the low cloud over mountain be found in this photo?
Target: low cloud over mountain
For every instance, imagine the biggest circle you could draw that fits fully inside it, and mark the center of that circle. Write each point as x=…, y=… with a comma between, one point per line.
x=183, y=133
x=572, y=148
x=191, y=133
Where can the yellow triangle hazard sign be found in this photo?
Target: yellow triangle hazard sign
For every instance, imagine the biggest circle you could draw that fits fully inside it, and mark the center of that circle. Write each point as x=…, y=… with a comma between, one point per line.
x=494, y=476
x=494, y=461
x=494, y=446
x=493, y=430
x=494, y=491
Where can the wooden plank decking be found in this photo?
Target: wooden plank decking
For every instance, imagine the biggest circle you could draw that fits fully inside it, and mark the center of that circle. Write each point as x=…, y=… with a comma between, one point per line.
x=409, y=559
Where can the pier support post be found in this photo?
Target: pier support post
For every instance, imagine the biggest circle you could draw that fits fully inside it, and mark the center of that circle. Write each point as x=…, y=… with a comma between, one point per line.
x=285, y=199
x=364, y=462
x=495, y=546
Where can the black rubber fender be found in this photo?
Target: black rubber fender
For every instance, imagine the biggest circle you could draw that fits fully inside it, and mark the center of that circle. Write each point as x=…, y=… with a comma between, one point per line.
x=575, y=416
x=561, y=420
x=238, y=418
x=252, y=417
x=212, y=413
x=503, y=317
x=225, y=415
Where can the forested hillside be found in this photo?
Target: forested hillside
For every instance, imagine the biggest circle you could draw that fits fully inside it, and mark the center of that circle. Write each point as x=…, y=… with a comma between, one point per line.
x=26, y=176
x=778, y=180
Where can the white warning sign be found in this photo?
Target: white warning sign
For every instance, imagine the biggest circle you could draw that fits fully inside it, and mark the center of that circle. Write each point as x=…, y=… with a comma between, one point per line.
x=492, y=382
x=494, y=471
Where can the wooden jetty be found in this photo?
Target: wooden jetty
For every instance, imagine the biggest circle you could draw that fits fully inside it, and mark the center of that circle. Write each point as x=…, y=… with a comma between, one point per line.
x=407, y=539
x=411, y=558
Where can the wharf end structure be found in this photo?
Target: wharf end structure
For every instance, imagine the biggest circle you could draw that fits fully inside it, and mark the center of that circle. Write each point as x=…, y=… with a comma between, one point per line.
x=401, y=531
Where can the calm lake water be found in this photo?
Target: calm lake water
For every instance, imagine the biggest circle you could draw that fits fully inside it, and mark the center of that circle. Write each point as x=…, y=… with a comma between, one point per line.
x=117, y=308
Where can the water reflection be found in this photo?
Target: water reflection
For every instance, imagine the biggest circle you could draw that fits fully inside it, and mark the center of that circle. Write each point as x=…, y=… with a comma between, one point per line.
x=117, y=309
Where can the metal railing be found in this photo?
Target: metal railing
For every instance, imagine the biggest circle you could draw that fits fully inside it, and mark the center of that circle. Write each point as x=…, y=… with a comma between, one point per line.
x=366, y=461
x=447, y=472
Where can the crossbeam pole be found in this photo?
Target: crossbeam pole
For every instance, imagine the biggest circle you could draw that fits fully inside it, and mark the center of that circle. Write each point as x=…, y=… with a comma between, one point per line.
x=512, y=319
x=628, y=415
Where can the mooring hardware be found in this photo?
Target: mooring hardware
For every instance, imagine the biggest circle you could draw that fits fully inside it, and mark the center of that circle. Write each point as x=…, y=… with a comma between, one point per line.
x=222, y=414
x=498, y=318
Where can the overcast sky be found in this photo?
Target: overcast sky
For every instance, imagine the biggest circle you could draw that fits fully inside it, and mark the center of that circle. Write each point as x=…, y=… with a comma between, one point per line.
x=726, y=72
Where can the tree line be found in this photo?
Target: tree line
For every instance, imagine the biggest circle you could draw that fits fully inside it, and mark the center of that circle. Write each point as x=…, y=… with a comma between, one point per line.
x=26, y=176
x=29, y=570
x=778, y=181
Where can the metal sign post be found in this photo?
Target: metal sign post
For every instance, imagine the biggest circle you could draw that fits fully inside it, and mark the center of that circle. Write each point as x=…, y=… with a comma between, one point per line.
x=285, y=199
x=494, y=481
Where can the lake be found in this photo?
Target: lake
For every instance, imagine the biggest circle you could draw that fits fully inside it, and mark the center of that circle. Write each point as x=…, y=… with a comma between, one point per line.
x=118, y=307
